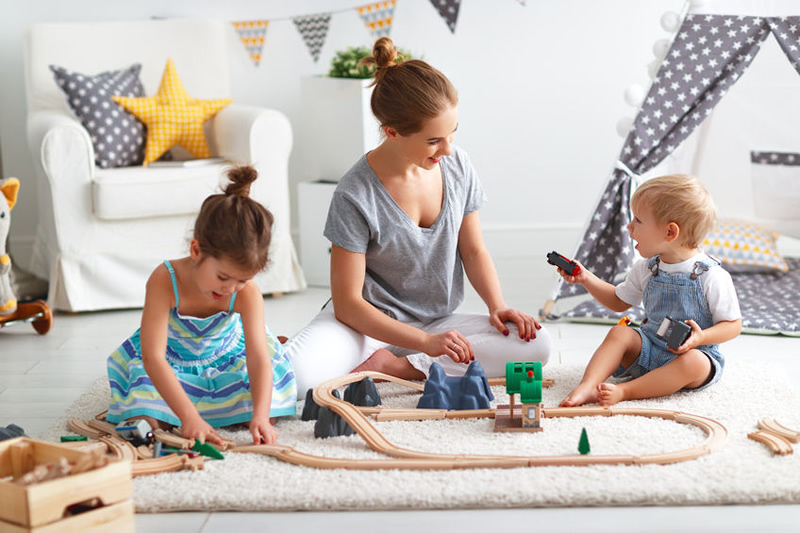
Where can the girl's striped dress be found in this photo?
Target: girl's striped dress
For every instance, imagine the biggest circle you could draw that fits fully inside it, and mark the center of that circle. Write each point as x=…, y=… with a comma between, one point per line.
x=208, y=356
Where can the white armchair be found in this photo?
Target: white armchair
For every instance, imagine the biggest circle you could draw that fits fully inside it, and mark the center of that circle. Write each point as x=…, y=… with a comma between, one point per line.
x=103, y=231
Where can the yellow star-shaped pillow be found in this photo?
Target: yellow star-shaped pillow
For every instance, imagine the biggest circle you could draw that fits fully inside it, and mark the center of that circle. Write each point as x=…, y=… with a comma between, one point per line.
x=173, y=117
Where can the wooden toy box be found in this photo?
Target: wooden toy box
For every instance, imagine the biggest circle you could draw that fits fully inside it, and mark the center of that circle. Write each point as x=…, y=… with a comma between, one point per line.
x=47, y=506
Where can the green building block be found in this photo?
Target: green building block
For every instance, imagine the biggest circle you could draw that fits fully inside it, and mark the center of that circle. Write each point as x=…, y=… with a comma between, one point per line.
x=73, y=438
x=518, y=372
x=530, y=391
x=207, y=450
x=583, y=444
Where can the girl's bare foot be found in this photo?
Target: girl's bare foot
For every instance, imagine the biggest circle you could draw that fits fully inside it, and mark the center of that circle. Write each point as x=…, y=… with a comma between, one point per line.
x=583, y=393
x=386, y=362
x=608, y=394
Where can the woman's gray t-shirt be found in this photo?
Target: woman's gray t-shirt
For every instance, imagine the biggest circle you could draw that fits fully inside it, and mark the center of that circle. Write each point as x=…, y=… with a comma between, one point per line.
x=412, y=273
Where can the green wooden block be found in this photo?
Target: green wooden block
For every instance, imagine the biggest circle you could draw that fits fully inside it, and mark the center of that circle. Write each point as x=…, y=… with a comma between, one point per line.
x=583, y=445
x=207, y=450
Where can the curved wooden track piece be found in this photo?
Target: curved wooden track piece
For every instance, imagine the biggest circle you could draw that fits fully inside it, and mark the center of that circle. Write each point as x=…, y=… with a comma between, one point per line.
x=119, y=448
x=171, y=439
x=770, y=425
x=777, y=444
x=716, y=435
x=166, y=463
x=101, y=425
x=76, y=425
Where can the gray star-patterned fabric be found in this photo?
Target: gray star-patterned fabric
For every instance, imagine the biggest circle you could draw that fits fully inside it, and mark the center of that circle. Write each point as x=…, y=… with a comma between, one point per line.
x=117, y=136
x=314, y=29
x=448, y=9
x=708, y=55
x=784, y=159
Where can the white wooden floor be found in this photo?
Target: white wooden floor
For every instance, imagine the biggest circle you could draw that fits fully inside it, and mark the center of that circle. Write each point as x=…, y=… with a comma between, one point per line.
x=41, y=375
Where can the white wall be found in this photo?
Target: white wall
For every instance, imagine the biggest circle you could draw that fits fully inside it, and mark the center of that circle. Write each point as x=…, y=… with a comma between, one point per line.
x=540, y=89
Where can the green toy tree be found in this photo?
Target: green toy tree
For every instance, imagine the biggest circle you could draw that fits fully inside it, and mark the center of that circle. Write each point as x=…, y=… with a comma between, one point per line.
x=583, y=445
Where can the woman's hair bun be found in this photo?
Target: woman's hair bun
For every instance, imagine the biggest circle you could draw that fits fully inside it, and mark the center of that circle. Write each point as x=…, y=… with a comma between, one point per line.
x=384, y=55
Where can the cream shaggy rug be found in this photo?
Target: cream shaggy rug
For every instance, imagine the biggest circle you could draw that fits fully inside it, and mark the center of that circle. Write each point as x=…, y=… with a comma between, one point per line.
x=742, y=472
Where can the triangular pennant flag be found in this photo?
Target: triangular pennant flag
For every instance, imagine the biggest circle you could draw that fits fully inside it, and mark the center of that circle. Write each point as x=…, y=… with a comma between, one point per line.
x=314, y=29
x=252, y=34
x=378, y=17
x=448, y=9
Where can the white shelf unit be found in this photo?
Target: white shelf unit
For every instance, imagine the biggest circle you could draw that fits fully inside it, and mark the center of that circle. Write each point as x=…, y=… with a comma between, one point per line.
x=313, y=199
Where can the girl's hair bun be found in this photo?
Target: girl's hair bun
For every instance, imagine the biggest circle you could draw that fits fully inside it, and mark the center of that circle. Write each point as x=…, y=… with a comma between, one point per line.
x=240, y=179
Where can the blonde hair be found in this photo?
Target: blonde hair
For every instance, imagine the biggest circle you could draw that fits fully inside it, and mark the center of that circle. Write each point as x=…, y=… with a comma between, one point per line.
x=233, y=226
x=407, y=92
x=680, y=199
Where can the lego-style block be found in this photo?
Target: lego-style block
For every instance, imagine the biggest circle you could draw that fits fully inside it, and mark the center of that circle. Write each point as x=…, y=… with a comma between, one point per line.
x=518, y=372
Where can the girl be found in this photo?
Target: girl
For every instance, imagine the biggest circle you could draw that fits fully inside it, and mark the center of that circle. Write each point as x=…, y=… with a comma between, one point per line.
x=404, y=227
x=201, y=358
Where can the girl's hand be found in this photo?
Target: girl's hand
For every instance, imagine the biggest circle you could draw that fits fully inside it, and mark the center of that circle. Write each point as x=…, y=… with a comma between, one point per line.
x=197, y=428
x=695, y=339
x=452, y=344
x=526, y=324
x=263, y=431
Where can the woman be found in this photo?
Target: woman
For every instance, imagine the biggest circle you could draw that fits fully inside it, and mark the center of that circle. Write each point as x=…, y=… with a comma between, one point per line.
x=404, y=227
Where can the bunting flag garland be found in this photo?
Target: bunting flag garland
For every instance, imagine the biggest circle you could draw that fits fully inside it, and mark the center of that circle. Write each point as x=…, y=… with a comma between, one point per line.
x=448, y=9
x=252, y=34
x=314, y=29
x=378, y=17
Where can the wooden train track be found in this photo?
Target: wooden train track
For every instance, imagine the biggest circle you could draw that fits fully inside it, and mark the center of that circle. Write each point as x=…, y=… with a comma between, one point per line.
x=402, y=458
x=775, y=436
x=142, y=461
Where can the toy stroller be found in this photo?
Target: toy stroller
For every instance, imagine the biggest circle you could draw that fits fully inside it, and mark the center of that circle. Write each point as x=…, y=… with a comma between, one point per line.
x=11, y=311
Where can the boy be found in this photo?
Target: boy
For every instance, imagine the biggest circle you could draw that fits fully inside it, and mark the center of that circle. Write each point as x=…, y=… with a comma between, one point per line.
x=671, y=215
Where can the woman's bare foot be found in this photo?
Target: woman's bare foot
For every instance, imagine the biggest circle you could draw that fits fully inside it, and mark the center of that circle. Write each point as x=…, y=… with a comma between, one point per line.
x=386, y=362
x=608, y=394
x=583, y=393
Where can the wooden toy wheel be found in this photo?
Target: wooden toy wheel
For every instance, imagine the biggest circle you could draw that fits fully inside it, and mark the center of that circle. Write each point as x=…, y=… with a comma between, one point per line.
x=42, y=324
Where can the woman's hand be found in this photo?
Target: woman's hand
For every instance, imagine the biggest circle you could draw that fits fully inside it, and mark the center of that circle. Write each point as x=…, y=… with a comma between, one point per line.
x=197, y=428
x=452, y=344
x=263, y=431
x=526, y=324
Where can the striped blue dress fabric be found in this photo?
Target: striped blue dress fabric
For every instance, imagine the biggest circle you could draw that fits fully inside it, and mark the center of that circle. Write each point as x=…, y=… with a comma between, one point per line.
x=209, y=358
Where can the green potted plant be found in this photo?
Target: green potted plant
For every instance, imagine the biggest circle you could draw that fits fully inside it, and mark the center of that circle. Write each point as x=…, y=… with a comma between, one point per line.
x=345, y=64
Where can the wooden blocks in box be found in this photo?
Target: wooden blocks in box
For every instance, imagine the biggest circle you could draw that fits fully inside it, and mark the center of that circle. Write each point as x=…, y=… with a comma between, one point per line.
x=90, y=497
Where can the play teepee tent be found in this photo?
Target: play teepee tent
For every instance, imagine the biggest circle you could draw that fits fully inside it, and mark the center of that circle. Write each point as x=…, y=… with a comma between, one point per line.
x=705, y=59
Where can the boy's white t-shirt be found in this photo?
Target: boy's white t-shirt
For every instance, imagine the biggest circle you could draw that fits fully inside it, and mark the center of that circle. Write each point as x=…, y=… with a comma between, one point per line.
x=717, y=284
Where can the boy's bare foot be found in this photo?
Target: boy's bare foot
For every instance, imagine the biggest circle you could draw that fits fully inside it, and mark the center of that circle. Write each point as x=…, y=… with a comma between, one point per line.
x=386, y=362
x=608, y=394
x=583, y=393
